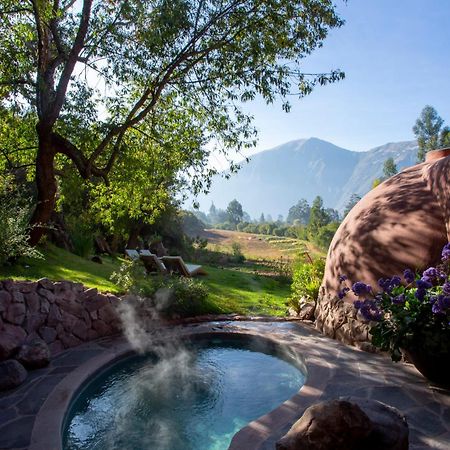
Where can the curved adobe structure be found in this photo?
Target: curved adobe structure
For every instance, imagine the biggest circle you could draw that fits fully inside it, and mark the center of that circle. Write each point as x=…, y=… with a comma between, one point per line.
x=402, y=223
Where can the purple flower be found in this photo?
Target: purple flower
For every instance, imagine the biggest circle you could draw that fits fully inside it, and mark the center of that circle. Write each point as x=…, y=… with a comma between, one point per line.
x=342, y=278
x=445, y=256
x=440, y=304
x=446, y=288
x=399, y=300
x=423, y=284
x=369, y=309
x=433, y=276
x=409, y=276
x=387, y=284
x=343, y=292
x=420, y=294
x=360, y=289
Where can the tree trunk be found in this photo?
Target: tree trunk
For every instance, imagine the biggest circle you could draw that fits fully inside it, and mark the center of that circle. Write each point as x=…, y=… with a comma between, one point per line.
x=46, y=188
x=133, y=239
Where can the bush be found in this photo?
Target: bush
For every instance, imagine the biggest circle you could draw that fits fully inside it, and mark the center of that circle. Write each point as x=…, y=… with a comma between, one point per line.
x=236, y=249
x=306, y=282
x=83, y=241
x=171, y=296
x=15, y=212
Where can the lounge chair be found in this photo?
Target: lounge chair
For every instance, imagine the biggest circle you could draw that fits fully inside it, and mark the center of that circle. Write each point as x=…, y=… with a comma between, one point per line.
x=132, y=254
x=152, y=263
x=175, y=264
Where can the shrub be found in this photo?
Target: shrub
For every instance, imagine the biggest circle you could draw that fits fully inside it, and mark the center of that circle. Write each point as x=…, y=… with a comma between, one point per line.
x=236, y=250
x=306, y=282
x=15, y=212
x=171, y=296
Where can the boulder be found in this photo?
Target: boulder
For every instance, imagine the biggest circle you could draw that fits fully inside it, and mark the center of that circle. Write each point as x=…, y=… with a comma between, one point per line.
x=331, y=425
x=5, y=300
x=48, y=334
x=34, y=354
x=12, y=374
x=8, y=345
x=15, y=313
x=389, y=427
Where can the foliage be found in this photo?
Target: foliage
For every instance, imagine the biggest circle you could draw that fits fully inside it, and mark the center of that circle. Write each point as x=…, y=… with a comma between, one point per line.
x=353, y=200
x=389, y=168
x=100, y=78
x=236, y=250
x=301, y=212
x=318, y=217
x=306, y=281
x=325, y=235
x=408, y=313
x=234, y=212
x=127, y=275
x=15, y=208
x=430, y=132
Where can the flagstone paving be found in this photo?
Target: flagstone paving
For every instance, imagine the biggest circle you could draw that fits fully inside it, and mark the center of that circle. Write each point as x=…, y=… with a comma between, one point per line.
x=334, y=370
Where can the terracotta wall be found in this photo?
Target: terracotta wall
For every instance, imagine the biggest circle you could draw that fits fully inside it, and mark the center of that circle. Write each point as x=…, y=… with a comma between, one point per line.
x=403, y=223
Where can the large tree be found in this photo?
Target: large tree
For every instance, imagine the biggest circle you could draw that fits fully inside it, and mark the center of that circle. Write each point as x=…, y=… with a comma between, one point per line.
x=235, y=212
x=300, y=211
x=430, y=132
x=90, y=72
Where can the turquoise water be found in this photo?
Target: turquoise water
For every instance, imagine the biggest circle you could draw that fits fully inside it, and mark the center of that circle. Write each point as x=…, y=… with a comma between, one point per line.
x=191, y=400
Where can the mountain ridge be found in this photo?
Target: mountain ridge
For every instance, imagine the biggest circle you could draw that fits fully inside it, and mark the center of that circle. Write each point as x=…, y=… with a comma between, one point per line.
x=275, y=179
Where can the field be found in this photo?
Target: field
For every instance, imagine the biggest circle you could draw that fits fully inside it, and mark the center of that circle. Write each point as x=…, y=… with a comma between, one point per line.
x=259, y=246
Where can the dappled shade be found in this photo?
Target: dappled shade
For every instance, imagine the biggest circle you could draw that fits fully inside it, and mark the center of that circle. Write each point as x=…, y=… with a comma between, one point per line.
x=403, y=223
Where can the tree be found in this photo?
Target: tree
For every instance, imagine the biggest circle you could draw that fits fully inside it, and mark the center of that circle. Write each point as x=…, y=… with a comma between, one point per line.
x=430, y=132
x=202, y=57
x=300, y=211
x=318, y=217
x=235, y=212
x=353, y=200
x=212, y=216
x=389, y=168
x=262, y=219
x=333, y=215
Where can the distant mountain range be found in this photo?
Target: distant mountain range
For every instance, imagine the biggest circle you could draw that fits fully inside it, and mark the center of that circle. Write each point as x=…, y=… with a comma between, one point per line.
x=276, y=179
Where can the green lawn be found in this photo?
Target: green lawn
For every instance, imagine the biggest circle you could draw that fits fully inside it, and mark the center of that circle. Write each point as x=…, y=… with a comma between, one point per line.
x=62, y=265
x=231, y=290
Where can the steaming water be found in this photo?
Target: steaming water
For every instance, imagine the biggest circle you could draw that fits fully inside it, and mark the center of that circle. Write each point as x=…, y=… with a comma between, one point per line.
x=191, y=400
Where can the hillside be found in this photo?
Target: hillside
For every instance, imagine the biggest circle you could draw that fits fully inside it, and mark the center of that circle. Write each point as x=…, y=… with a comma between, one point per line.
x=276, y=179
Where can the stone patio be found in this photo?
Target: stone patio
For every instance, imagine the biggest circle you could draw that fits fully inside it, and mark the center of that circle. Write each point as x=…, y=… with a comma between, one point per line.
x=334, y=370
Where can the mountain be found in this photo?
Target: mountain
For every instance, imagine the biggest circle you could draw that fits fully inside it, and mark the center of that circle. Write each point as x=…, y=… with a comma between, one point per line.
x=276, y=179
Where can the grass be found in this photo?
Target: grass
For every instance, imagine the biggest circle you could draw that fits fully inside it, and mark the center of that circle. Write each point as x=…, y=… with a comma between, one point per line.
x=62, y=265
x=231, y=290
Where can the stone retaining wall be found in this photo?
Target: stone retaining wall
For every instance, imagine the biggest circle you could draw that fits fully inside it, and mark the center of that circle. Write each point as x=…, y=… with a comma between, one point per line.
x=63, y=314
x=340, y=320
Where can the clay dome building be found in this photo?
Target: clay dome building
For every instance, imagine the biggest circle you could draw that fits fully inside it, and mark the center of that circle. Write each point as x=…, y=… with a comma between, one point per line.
x=402, y=223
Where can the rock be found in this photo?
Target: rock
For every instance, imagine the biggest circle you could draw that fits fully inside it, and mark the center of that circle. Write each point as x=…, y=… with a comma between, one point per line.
x=390, y=429
x=56, y=347
x=80, y=330
x=54, y=316
x=26, y=286
x=5, y=300
x=97, y=259
x=12, y=374
x=34, y=354
x=17, y=297
x=69, y=340
x=332, y=425
x=49, y=295
x=101, y=328
x=108, y=314
x=45, y=283
x=15, y=313
x=34, y=321
x=68, y=321
x=88, y=293
x=96, y=302
x=307, y=311
x=45, y=306
x=48, y=334
x=70, y=306
x=32, y=302
x=8, y=345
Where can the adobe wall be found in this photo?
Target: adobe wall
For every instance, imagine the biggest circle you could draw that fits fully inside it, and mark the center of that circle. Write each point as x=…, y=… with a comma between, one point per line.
x=402, y=223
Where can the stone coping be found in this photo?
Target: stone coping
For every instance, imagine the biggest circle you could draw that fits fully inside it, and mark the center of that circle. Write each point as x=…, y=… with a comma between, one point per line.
x=333, y=370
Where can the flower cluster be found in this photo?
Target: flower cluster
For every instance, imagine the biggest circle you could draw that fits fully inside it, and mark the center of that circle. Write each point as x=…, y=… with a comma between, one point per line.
x=408, y=309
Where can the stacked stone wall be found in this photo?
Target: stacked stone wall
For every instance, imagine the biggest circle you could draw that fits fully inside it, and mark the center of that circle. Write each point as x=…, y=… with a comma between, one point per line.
x=63, y=314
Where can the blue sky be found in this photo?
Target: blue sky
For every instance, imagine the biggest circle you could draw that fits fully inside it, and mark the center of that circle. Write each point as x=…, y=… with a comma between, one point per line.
x=396, y=57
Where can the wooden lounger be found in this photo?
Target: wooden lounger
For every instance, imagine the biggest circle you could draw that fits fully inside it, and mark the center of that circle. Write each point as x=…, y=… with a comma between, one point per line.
x=175, y=264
